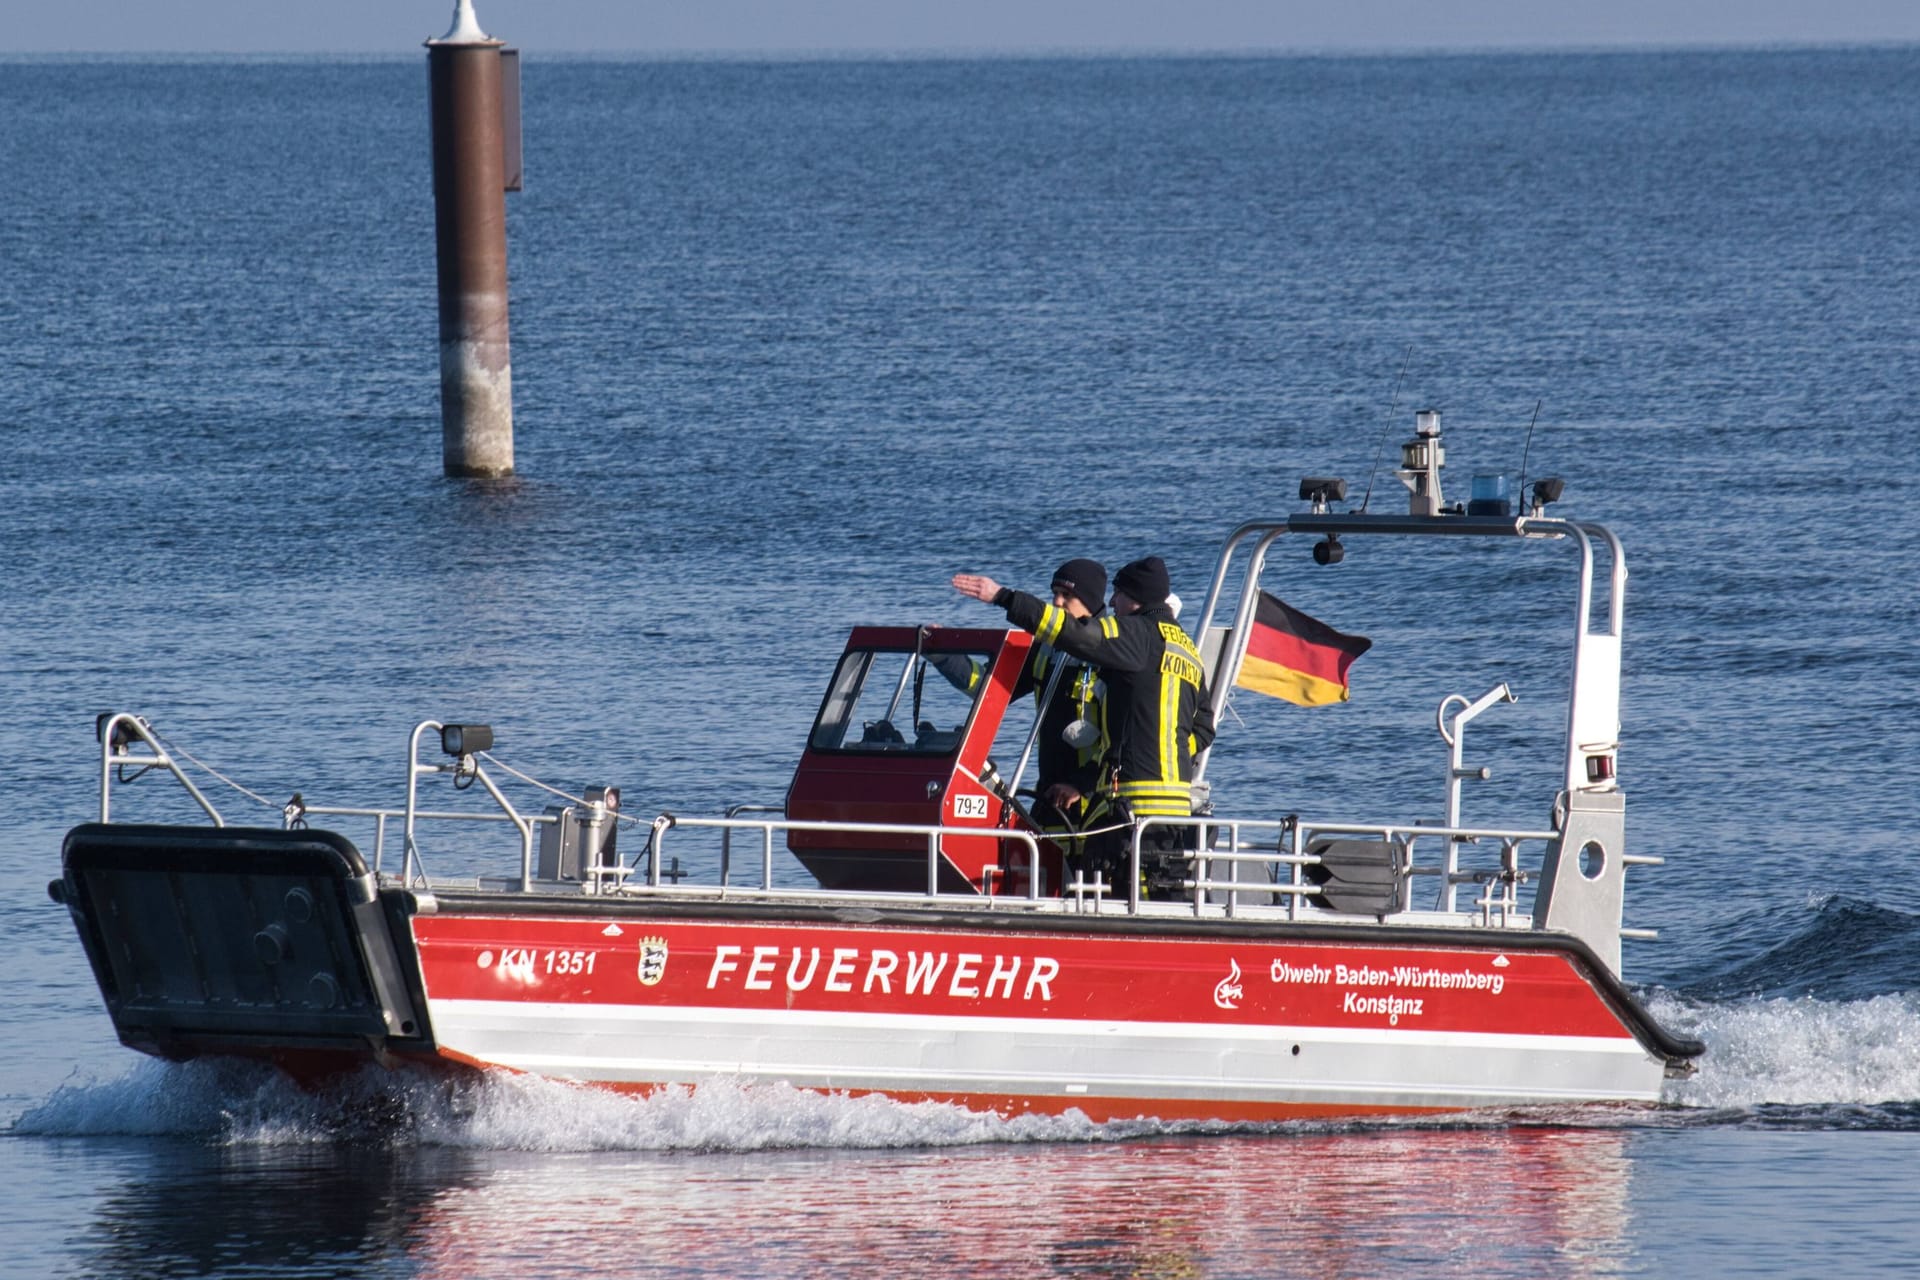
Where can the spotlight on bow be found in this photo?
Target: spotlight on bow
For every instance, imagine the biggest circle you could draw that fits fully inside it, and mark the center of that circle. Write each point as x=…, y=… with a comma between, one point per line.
x=465, y=739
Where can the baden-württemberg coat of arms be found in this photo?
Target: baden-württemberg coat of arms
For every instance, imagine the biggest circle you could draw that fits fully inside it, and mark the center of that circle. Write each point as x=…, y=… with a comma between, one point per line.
x=653, y=960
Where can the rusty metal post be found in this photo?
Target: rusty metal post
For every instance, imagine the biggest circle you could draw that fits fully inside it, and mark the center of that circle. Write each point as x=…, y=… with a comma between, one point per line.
x=470, y=240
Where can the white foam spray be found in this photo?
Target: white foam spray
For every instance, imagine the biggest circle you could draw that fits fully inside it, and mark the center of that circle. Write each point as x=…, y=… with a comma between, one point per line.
x=240, y=1104
x=1798, y=1051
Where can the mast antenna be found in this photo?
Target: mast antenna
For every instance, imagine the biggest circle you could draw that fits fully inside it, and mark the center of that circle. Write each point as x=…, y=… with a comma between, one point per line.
x=1526, y=449
x=1388, y=426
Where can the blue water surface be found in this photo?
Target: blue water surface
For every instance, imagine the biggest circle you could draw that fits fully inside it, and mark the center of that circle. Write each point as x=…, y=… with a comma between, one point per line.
x=793, y=342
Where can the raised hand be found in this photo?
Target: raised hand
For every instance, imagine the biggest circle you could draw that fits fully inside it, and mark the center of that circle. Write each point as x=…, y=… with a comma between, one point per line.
x=976, y=585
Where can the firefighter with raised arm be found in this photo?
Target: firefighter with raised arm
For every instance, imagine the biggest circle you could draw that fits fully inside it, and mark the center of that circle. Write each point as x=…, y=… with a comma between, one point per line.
x=1073, y=740
x=1158, y=711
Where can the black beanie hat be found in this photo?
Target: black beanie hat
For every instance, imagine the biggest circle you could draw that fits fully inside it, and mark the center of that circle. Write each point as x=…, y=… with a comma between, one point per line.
x=1145, y=580
x=1085, y=581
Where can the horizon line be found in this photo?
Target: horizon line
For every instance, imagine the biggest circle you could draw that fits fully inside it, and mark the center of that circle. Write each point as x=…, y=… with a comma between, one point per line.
x=1024, y=53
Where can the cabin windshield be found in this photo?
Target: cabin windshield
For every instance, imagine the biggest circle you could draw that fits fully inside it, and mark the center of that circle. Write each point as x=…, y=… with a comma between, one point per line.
x=901, y=702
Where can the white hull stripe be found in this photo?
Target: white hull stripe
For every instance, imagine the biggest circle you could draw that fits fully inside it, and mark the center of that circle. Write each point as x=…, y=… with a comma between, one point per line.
x=1047, y=1058
x=641, y=1070
x=590, y=1018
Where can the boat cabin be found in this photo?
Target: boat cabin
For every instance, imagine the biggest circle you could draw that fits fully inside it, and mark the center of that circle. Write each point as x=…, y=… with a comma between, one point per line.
x=902, y=740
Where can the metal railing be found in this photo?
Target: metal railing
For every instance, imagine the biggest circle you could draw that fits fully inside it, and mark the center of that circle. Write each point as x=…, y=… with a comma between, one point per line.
x=1280, y=848
x=766, y=848
x=1286, y=853
x=119, y=731
x=766, y=827
x=1587, y=700
x=415, y=867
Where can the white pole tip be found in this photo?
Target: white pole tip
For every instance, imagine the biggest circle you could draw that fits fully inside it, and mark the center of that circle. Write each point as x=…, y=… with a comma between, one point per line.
x=466, y=27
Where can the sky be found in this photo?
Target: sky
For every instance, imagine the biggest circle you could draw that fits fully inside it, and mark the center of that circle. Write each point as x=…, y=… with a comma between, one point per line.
x=945, y=26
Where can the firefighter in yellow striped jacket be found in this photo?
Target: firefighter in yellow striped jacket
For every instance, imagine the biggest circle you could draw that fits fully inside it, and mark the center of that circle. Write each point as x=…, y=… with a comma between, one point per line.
x=1073, y=740
x=1157, y=706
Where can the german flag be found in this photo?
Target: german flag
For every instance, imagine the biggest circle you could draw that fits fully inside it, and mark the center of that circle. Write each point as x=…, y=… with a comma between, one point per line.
x=1301, y=659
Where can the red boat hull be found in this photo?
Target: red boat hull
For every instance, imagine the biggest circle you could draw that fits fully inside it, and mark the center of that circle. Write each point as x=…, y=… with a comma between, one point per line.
x=1122, y=1022
x=281, y=946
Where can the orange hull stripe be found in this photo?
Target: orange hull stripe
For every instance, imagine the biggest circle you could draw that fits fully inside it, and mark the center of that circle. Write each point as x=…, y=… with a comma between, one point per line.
x=1099, y=1109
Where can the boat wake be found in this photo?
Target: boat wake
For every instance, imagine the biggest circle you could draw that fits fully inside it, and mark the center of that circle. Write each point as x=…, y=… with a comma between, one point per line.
x=1856, y=1062
x=1818, y=1027
x=242, y=1104
x=1784, y=1060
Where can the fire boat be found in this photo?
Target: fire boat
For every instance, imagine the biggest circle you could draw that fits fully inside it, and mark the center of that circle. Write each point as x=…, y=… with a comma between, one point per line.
x=901, y=926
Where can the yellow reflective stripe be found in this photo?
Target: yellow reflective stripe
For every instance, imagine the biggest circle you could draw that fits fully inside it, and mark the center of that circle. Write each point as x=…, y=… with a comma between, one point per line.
x=1051, y=620
x=1087, y=706
x=1157, y=799
x=1110, y=627
x=1156, y=794
x=1133, y=790
x=1169, y=728
x=1162, y=809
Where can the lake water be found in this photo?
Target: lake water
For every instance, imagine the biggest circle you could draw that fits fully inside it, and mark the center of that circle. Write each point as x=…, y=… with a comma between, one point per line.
x=793, y=342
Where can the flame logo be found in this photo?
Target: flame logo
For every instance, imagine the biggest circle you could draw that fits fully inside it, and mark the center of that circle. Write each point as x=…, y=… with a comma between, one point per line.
x=1226, y=993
